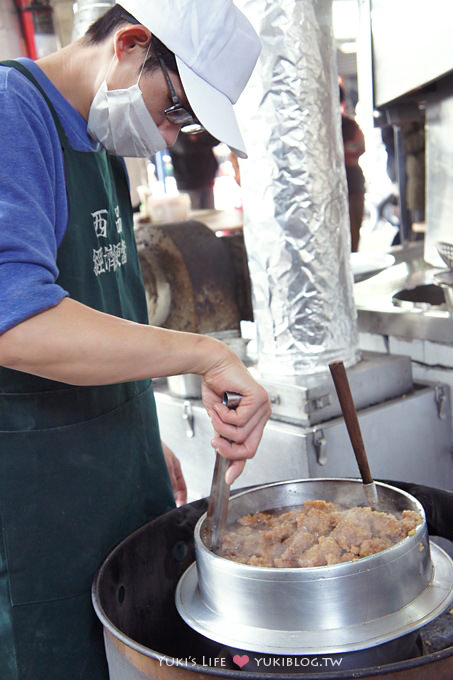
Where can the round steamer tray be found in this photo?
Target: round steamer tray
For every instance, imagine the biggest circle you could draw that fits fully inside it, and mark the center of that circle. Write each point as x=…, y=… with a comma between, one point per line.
x=427, y=606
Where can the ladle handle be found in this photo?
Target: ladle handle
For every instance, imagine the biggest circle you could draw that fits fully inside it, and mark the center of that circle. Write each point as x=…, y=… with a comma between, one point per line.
x=341, y=382
x=220, y=490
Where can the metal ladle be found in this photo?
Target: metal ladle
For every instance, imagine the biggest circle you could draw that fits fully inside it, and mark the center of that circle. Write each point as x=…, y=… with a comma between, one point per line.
x=220, y=490
x=341, y=383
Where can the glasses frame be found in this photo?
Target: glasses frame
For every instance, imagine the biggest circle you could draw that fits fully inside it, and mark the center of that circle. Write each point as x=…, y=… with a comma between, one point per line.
x=177, y=113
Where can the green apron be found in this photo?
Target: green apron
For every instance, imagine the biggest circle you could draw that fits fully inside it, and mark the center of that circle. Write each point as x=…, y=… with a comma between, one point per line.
x=80, y=467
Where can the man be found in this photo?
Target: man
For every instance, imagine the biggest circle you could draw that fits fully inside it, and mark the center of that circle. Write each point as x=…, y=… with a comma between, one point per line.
x=354, y=147
x=81, y=463
x=195, y=167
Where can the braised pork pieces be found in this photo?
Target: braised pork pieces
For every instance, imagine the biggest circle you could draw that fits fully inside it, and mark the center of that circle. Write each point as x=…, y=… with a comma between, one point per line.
x=318, y=534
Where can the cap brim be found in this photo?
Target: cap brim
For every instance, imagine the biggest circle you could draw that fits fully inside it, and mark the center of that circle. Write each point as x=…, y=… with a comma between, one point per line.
x=213, y=109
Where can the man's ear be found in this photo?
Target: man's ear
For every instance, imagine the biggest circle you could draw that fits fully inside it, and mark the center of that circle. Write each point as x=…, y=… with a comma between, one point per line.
x=131, y=38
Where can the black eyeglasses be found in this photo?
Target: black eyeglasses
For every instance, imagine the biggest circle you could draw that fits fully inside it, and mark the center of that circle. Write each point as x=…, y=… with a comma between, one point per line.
x=178, y=114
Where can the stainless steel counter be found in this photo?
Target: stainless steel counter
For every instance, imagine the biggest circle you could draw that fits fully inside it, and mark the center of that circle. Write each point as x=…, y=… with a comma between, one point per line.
x=377, y=312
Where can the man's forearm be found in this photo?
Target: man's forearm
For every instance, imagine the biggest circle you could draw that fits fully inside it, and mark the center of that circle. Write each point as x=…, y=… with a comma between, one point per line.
x=75, y=344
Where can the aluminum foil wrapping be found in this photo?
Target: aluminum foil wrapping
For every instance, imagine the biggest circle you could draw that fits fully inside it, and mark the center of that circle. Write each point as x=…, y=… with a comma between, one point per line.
x=296, y=223
x=86, y=12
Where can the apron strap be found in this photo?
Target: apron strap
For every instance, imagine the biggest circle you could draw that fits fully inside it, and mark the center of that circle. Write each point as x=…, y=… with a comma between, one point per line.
x=20, y=67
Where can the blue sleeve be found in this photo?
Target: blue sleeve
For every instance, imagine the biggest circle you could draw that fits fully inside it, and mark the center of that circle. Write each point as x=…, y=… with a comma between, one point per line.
x=33, y=203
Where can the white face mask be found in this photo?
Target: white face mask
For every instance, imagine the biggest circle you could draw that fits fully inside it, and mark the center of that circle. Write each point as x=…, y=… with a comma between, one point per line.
x=120, y=121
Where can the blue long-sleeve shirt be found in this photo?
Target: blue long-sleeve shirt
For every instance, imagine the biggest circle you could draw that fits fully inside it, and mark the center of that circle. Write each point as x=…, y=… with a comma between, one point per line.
x=33, y=201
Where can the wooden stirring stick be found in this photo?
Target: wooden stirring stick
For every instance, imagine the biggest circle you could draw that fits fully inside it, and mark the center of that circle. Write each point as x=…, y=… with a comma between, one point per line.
x=341, y=382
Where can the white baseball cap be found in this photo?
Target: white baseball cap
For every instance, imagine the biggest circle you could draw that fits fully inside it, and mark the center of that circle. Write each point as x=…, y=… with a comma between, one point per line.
x=216, y=50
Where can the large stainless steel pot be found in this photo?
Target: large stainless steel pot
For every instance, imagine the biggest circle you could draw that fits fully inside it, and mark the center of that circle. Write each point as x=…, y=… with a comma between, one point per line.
x=338, y=608
x=145, y=638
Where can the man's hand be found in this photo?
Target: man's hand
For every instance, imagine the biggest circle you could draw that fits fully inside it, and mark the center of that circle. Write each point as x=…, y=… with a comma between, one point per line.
x=238, y=432
x=176, y=476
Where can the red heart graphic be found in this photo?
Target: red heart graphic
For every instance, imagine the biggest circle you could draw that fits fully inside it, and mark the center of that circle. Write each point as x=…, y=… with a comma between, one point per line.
x=240, y=660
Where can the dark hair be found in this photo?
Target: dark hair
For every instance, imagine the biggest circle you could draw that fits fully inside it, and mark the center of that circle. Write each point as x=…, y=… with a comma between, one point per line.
x=114, y=17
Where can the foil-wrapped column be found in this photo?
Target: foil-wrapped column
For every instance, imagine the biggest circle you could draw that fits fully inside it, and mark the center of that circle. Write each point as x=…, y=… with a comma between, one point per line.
x=296, y=223
x=86, y=12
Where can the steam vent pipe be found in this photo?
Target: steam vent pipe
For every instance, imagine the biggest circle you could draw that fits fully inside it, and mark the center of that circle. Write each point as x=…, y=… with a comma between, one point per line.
x=296, y=224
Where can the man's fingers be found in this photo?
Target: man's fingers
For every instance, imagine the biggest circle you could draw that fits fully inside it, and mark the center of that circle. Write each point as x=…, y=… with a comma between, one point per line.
x=240, y=433
x=234, y=470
